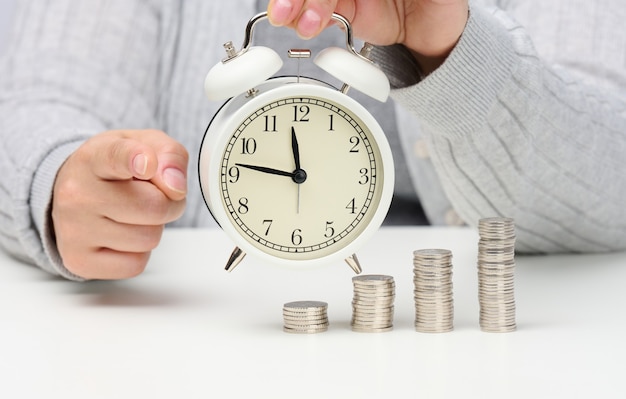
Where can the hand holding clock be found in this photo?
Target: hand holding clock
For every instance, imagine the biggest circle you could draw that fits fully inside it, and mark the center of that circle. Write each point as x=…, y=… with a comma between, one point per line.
x=430, y=28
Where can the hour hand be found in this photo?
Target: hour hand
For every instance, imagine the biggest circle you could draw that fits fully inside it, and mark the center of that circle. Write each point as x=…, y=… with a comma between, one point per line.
x=295, y=148
x=265, y=169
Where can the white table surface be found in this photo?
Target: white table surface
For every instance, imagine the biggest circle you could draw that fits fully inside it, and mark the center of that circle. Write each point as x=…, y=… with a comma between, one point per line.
x=188, y=329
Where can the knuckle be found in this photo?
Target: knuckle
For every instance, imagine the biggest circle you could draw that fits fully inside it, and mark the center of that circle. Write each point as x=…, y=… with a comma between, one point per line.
x=176, y=209
x=67, y=192
x=150, y=237
x=68, y=198
x=126, y=265
x=136, y=265
x=176, y=148
x=76, y=264
x=157, y=206
x=116, y=155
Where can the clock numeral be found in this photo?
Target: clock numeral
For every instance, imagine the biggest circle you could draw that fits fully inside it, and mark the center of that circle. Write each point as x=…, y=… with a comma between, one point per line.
x=243, y=206
x=233, y=172
x=355, y=140
x=364, y=176
x=248, y=146
x=352, y=206
x=330, y=230
x=296, y=237
x=301, y=113
x=331, y=128
x=270, y=123
x=268, y=222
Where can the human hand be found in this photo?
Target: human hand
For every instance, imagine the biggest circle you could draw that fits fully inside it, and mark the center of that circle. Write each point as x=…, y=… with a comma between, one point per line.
x=112, y=199
x=429, y=28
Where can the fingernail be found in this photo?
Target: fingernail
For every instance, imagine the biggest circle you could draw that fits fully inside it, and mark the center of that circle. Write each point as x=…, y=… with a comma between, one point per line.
x=175, y=180
x=140, y=164
x=280, y=11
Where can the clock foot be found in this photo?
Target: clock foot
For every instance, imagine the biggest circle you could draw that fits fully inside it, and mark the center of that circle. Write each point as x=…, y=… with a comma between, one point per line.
x=235, y=258
x=354, y=264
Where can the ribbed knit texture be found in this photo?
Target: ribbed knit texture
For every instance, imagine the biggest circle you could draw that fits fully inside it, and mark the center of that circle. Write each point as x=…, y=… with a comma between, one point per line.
x=522, y=122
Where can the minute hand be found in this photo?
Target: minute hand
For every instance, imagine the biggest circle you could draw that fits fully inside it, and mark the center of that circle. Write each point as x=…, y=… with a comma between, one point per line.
x=266, y=170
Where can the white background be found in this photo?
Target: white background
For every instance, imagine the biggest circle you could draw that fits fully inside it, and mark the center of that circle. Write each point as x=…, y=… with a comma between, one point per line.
x=6, y=15
x=188, y=329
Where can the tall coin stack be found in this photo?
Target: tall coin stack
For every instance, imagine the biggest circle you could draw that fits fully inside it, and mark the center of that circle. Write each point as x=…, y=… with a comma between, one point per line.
x=372, y=303
x=305, y=317
x=434, y=303
x=496, y=269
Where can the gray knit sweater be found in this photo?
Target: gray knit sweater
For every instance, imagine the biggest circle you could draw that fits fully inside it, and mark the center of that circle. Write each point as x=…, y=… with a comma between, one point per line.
x=526, y=118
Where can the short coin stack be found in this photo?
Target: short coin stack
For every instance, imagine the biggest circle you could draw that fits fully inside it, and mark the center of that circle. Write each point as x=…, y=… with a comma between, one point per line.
x=496, y=268
x=434, y=303
x=372, y=304
x=305, y=317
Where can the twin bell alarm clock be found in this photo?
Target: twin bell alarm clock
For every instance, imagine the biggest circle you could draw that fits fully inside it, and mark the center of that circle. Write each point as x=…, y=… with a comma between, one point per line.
x=295, y=171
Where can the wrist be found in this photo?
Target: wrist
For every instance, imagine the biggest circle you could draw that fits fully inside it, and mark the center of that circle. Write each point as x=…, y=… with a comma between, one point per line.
x=439, y=33
x=428, y=64
x=41, y=205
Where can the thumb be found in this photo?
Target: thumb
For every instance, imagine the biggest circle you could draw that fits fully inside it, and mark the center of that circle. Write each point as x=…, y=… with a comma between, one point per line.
x=170, y=174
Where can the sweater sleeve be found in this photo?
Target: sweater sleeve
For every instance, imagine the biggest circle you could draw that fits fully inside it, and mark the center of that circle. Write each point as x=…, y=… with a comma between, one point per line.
x=72, y=69
x=512, y=135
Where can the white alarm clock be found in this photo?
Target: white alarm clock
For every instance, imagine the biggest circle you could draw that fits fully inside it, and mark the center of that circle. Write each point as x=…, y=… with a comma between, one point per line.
x=295, y=171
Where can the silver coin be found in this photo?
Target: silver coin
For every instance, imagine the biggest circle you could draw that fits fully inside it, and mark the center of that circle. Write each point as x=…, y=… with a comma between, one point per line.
x=297, y=315
x=371, y=279
x=371, y=322
x=374, y=282
x=432, y=319
x=372, y=306
x=374, y=294
x=305, y=323
x=304, y=331
x=371, y=330
x=429, y=253
x=306, y=305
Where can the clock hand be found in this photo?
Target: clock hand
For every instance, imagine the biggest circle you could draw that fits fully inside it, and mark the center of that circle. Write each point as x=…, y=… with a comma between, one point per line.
x=299, y=175
x=267, y=170
x=295, y=149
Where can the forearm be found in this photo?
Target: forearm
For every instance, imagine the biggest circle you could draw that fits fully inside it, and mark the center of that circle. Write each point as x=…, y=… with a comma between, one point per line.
x=25, y=230
x=511, y=137
x=58, y=88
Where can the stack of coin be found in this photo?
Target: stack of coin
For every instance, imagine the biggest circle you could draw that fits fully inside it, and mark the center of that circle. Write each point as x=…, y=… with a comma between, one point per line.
x=372, y=304
x=496, y=269
x=434, y=303
x=305, y=317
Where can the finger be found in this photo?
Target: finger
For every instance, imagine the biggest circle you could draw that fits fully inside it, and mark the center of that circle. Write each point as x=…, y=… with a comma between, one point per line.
x=107, y=264
x=172, y=160
x=283, y=12
x=83, y=254
x=128, y=237
x=115, y=236
x=144, y=203
x=315, y=16
x=171, y=176
x=114, y=157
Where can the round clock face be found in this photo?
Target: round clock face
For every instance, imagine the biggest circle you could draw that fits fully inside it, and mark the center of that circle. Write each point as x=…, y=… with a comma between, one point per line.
x=301, y=177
